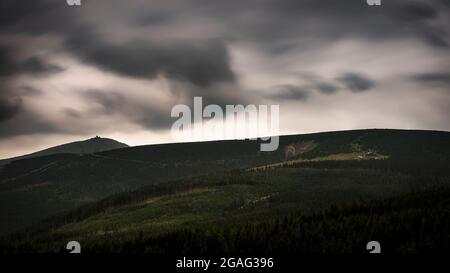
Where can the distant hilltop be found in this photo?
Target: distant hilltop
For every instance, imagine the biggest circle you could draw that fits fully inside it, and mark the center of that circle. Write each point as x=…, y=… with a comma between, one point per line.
x=89, y=146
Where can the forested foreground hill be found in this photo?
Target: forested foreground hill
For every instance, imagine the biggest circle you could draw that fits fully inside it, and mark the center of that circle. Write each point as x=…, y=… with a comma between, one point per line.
x=410, y=223
x=149, y=192
x=335, y=221
x=329, y=192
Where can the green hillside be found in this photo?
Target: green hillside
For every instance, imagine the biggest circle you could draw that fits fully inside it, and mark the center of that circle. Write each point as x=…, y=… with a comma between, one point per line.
x=409, y=223
x=180, y=190
x=33, y=189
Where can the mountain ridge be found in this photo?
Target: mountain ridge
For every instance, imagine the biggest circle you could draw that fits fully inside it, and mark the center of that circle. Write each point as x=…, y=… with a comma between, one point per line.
x=36, y=188
x=138, y=198
x=88, y=146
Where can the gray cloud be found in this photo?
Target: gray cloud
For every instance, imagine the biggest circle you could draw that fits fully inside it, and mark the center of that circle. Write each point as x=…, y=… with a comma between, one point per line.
x=435, y=37
x=356, y=82
x=433, y=78
x=189, y=42
x=327, y=88
x=11, y=65
x=35, y=65
x=271, y=24
x=6, y=63
x=445, y=3
x=152, y=18
x=10, y=103
x=201, y=64
x=417, y=16
x=9, y=108
x=28, y=123
x=110, y=103
x=291, y=92
x=72, y=113
x=416, y=11
x=29, y=91
x=17, y=119
x=286, y=24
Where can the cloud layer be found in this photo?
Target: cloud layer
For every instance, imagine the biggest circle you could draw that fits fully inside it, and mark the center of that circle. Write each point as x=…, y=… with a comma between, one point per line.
x=116, y=68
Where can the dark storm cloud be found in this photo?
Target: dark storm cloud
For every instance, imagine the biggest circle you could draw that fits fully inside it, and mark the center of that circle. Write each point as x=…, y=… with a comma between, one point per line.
x=156, y=116
x=356, y=82
x=418, y=16
x=9, y=108
x=271, y=24
x=414, y=11
x=152, y=19
x=154, y=120
x=6, y=63
x=327, y=88
x=435, y=37
x=10, y=103
x=113, y=103
x=201, y=64
x=28, y=123
x=11, y=65
x=291, y=92
x=445, y=3
x=38, y=17
x=433, y=78
x=315, y=23
x=16, y=118
x=145, y=39
x=34, y=65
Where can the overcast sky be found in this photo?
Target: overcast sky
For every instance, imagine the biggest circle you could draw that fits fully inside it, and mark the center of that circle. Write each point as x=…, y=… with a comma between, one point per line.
x=116, y=68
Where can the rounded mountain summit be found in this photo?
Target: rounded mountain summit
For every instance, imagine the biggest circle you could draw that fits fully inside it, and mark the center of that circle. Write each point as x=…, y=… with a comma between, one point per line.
x=89, y=146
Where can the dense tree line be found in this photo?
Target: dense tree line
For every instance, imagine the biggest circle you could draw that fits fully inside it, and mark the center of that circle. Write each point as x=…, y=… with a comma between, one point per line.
x=417, y=222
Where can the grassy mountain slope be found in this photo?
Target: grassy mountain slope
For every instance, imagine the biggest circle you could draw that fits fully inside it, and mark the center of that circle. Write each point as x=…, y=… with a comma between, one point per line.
x=32, y=189
x=308, y=173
